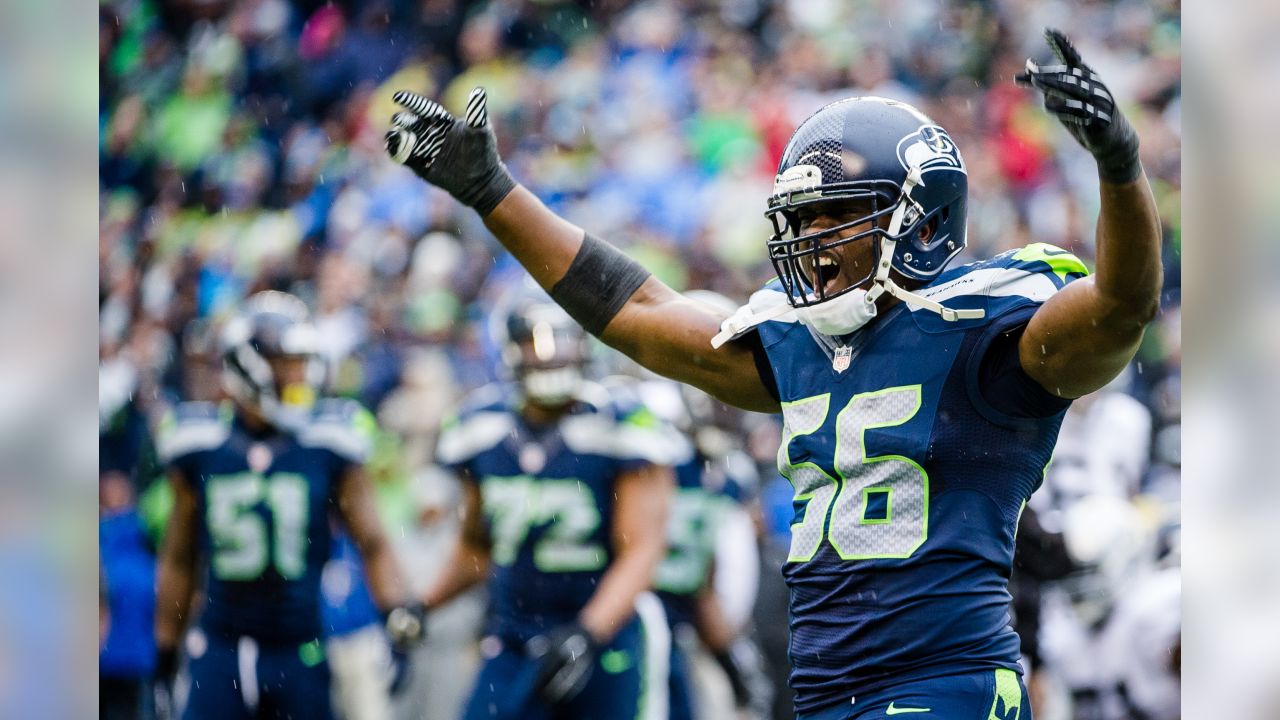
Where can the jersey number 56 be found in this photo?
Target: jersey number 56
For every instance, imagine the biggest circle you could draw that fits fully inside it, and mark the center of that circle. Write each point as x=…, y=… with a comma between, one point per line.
x=879, y=506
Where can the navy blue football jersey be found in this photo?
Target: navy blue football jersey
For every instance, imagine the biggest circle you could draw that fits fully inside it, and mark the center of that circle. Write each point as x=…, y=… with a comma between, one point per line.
x=548, y=496
x=908, y=482
x=263, y=506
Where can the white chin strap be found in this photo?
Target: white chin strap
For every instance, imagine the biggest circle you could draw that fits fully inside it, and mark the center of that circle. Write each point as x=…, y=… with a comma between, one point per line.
x=882, y=283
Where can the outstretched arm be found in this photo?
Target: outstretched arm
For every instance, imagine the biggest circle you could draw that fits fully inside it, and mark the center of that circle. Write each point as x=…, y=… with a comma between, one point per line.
x=1083, y=336
x=605, y=291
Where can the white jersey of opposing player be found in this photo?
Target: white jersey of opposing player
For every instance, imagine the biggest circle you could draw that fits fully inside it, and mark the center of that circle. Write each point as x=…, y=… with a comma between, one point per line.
x=1140, y=642
x=1103, y=449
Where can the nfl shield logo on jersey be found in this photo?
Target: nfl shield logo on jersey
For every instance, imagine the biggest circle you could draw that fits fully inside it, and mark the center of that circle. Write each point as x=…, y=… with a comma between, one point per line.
x=843, y=355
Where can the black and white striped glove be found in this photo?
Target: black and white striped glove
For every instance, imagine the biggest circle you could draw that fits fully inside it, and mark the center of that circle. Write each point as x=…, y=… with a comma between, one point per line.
x=458, y=157
x=1075, y=94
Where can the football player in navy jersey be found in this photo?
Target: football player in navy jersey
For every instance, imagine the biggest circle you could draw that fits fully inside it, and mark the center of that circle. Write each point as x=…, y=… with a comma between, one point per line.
x=563, y=488
x=255, y=482
x=920, y=404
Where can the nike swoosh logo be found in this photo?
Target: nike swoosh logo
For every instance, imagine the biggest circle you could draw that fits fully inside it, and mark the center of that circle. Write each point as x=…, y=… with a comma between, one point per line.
x=892, y=710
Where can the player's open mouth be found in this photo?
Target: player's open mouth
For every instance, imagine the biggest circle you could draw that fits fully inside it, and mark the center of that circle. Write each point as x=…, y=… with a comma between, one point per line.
x=826, y=274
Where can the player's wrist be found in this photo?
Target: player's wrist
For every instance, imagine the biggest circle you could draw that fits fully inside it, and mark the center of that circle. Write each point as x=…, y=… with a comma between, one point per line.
x=166, y=662
x=489, y=190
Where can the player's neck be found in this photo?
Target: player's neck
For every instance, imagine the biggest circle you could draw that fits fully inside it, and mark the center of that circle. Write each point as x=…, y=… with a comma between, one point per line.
x=255, y=423
x=535, y=414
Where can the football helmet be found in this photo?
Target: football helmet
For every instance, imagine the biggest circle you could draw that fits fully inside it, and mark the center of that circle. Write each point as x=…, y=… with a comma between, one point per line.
x=900, y=171
x=272, y=328
x=546, y=351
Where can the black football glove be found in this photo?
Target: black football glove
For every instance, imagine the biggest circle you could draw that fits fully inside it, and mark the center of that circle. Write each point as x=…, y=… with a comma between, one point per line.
x=1075, y=94
x=406, y=628
x=458, y=157
x=566, y=656
x=747, y=679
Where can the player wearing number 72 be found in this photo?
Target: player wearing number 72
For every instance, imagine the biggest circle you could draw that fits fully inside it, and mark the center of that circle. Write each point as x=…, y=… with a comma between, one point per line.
x=920, y=404
x=566, y=490
x=255, y=483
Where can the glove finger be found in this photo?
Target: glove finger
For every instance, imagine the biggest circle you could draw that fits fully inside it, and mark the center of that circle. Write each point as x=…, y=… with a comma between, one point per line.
x=405, y=119
x=400, y=144
x=1073, y=86
x=420, y=105
x=431, y=142
x=1062, y=47
x=477, y=114
x=1074, y=110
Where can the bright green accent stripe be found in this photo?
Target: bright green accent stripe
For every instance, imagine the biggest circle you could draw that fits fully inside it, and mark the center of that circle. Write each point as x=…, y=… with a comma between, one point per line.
x=641, y=418
x=1060, y=261
x=1007, y=704
x=311, y=653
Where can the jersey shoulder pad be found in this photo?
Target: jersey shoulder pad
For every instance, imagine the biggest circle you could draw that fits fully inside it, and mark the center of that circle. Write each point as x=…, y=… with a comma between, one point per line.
x=1008, y=281
x=623, y=428
x=767, y=306
x=483, y=420
x=343, y=427
x=192, y=427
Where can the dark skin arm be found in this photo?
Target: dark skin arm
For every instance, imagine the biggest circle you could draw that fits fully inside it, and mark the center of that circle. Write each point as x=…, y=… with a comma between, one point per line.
x=359, y=513
x=176, y=568
x=469, y=564
x=1083, y=336
x=643, y=501
x=658, y=328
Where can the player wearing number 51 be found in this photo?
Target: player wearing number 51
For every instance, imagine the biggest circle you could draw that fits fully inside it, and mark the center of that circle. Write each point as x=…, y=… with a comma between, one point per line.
x=255, y=483
x=920, y=404
x=566, y=494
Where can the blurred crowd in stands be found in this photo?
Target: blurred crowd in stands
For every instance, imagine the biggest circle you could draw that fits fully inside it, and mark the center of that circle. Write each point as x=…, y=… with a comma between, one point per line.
x=241, y=150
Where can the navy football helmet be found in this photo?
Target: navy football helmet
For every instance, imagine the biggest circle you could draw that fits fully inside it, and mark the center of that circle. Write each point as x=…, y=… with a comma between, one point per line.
x=272, y=326
x=545, y=349
x=862, y=151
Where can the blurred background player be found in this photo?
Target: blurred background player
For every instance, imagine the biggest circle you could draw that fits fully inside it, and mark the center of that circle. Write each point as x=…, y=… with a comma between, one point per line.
x=563, y=488
x=254, y=484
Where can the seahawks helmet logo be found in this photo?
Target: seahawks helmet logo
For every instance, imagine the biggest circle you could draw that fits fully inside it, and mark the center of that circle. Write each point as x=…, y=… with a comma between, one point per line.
x=930, y=148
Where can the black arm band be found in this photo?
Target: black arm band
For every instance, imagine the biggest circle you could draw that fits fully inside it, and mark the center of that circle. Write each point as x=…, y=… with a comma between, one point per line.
x=598, y=283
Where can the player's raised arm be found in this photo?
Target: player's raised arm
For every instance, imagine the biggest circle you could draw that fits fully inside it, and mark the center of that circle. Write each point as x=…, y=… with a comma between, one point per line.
x=605, y=291
x=1083, y=336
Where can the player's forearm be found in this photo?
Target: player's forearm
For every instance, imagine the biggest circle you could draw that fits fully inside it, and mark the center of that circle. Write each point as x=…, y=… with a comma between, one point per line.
x=468, y=566
x=383, y=575
x=543, y=242
x=709, y=620
x=1129, y=273
x=614, y=601
x=175, y=586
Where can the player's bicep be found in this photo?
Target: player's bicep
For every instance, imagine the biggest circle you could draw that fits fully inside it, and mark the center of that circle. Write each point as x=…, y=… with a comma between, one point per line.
x=1073, y=345
x=671, y=335
x=640, y=513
